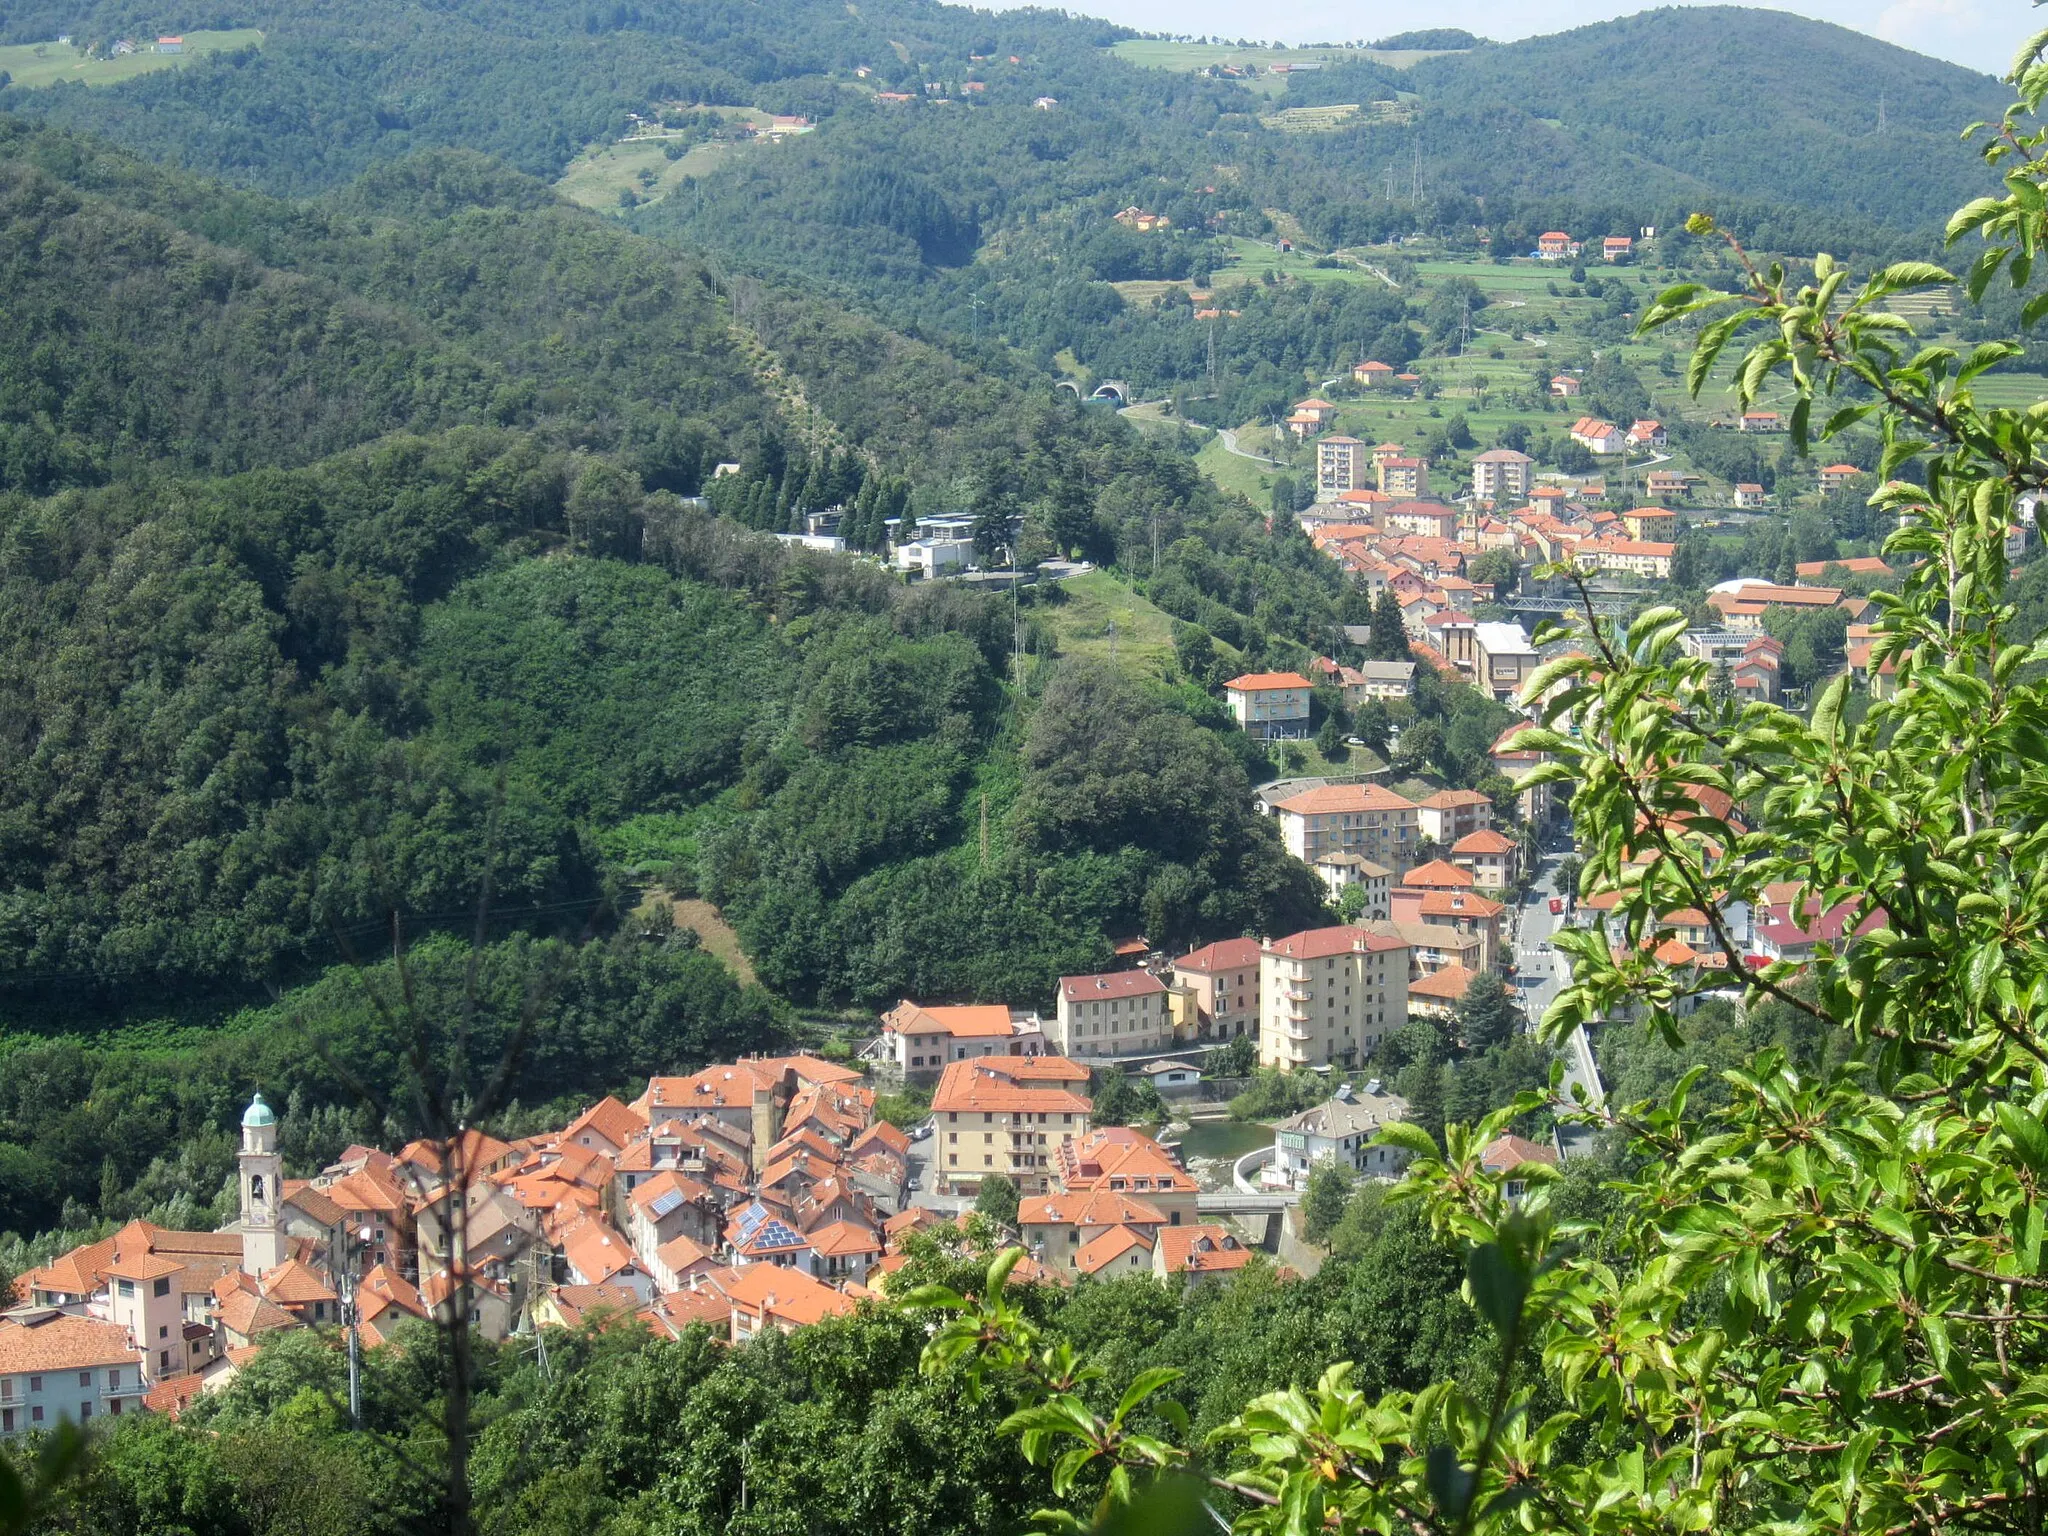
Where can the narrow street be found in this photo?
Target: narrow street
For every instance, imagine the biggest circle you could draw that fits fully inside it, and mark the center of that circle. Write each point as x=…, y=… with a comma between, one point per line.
x=1539, y=974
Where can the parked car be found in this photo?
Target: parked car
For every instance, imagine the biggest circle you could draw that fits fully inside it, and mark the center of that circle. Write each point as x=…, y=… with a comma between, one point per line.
x=1556, y=905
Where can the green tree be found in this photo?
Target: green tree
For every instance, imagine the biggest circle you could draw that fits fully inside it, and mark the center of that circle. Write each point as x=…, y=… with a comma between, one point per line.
x=1124, y=1100
x=1486, y=1015
x=997, y=1199
x=1388, y=640
x=1322, y=1203
x=1372, y=724
x=1499, y=567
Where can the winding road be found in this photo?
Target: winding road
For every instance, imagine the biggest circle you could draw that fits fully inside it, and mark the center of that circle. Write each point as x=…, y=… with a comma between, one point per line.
x=1229, y=437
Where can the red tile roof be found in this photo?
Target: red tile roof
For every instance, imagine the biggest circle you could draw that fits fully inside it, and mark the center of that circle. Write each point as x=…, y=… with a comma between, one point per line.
x=1345, y=799
x=61, y=1342
x=1203, y=1249
x=1316, y=943
x=1259, y=682
x=1223, y=955
x=1438, y=875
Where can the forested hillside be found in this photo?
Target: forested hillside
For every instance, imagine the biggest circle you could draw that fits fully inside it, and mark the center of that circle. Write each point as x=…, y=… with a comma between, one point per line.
x=1706, y=100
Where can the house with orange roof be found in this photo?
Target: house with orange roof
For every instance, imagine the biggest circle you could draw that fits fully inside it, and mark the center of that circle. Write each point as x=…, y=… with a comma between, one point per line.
x=384, y=1299
x=1007, y=1115
x=764, y=1297
x=1615, y=247
x=1415, y=516
x=1056, y=1228
x=1115, y=1251
x=1438, y=875
x=1329, y=995
x=667, y=1205
x=1761, y=421
x=1626, y=557
x=1450, y=814
x=1403, y=478
x=1366, y=819
x=1598, y=436
x=846, y=1250
x=373, y=1199
x=1835, y=476
x=607, y=1126
x=680, y=1260
x=1126, y=1162
x=1220, y=983
x=1564, y=385
x=1555, y=245
x=1273, y=706
x=476, y=1152
x=1655, y=524
x=1371, y=373
x=56, y=1367
x=1198, y=1253
x=1854, y=565
x=1437, y=995
x=918, y=1039
x=1648, y=434
x=1493, y=859
x=1465, y=913
x=1117, y=1013
x=486, y=1301
x=245, y=1315
x=1511, y=1157
x=594, y=1252
x=1742, y=607
x=594, y=1306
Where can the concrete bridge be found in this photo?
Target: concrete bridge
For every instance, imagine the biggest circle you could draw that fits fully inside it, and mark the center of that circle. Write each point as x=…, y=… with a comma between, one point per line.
x=1235, y=1202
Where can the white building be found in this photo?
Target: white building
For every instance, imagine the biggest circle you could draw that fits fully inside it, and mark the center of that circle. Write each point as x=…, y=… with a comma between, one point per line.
x=1339, y=1130
x=1366, y=819
x=1502, y=659
x=1122, y=1013
x=918, y=1040
x=57, y=1367
x=1341, y=871
x=1327, y=996
x=1270, y=705
x=1501, y=474
x=931, y=557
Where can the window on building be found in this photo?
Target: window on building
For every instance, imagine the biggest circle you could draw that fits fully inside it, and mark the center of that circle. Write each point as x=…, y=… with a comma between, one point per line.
x=163, y=1286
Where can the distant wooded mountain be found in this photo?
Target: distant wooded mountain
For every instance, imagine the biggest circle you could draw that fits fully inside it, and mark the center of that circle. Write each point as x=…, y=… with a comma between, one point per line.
x=1686, y=103
x=1710, y=99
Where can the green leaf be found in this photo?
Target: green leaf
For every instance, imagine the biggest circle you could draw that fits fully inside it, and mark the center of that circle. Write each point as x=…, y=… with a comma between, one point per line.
x=1500, y=1284
x=1412, y=1139
x=2027, y=1135
x=1143, y=1386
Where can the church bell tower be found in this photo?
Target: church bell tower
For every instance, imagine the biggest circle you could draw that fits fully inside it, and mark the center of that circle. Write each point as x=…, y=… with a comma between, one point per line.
x=262, y=1179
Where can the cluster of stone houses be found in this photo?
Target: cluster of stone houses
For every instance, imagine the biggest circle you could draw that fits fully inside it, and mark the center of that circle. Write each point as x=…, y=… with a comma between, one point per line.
x=744, y=1195
x=758, y=1194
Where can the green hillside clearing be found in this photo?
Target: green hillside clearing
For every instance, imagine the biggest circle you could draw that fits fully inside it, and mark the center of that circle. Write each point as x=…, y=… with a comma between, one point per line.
x=53, y=63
